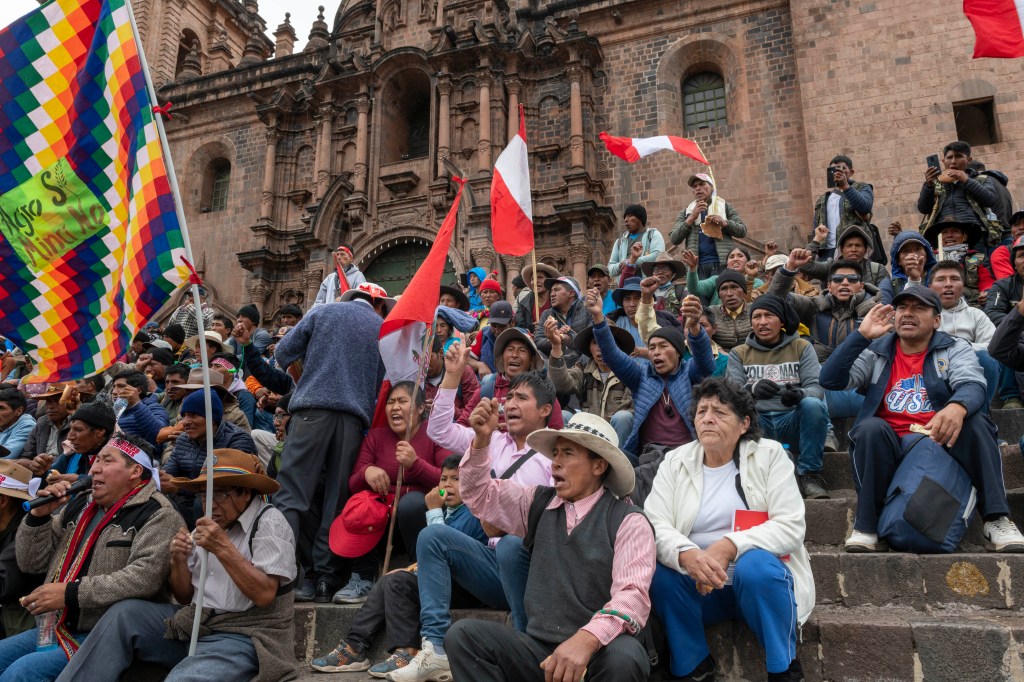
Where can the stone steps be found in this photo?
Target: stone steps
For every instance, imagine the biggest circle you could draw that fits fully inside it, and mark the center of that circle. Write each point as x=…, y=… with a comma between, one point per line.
x=839, y=472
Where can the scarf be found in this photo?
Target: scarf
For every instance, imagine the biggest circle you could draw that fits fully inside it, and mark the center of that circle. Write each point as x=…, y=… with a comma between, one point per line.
x=76, y=556
x=955, y=253
x=716, y=207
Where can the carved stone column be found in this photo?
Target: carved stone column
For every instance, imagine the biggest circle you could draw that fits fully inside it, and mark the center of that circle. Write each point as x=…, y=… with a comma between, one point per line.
x=484, y=257
x=575, y=73
x=311, y=284
x=259, y=293
x=483, y=149
x=269, y=159
x=513, y=85
x=362, y=145
x=579, y=256
x=513, y=266
x=325, y=129
x=444, y=121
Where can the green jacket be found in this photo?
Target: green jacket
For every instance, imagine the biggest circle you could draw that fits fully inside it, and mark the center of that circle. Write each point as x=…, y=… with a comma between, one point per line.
x=734, y=228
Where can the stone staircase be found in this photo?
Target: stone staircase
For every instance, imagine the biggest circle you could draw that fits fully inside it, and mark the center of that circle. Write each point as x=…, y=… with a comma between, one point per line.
x=889, y=616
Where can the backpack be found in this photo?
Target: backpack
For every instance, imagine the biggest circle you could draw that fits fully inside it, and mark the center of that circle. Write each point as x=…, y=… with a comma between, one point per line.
x=929, y=501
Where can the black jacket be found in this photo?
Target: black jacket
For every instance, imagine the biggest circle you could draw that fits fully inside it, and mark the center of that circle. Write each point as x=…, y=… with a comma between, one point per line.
x=1006, y=345
x=1002, y=297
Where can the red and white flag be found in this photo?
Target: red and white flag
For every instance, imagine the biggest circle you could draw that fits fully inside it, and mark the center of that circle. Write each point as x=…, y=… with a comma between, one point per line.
x=511, y=203
x=997, y=27
x=633, y=149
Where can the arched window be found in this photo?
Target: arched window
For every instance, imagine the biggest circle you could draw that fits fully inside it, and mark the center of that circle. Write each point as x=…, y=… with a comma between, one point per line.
x=216, y=181
x=186, y=42
x=703, y=101
x=406, y=107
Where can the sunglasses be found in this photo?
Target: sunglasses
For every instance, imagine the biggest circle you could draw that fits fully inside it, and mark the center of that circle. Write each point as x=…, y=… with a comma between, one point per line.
x=839, y=279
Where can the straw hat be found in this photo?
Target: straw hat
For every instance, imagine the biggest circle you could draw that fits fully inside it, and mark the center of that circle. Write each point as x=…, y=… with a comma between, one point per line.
x=544, y=268
x=515, y=334
x=678, y=267
x=192, y=342
x=16, y=481
x=596, y=435
x=232, y=468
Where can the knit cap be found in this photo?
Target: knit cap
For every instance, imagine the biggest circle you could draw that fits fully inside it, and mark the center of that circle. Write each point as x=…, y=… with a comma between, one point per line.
x=194, y=404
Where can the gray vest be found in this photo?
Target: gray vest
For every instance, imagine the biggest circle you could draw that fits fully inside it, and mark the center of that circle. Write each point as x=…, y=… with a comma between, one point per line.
x=571, y=575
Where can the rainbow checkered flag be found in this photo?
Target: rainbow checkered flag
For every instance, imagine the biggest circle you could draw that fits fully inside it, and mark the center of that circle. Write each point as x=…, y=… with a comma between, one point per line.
x=88, y=233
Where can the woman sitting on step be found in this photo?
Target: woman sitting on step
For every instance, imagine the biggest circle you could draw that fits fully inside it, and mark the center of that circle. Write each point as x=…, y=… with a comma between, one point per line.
x=708, y=571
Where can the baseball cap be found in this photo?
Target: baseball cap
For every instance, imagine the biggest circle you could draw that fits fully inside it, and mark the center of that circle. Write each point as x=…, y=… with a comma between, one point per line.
x=775, y=261
x=361, y=524
x=700, y=176
x=923, y=294
x=598, y=267
x=501, y=312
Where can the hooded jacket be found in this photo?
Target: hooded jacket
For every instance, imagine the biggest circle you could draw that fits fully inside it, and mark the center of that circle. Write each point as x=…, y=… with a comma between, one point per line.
x=329, y=287
x=792, y=362
x=888, y=290
x=966, y=322
x=474, y=293
x=647, y=385
x=828, y=319
x=1004, y=200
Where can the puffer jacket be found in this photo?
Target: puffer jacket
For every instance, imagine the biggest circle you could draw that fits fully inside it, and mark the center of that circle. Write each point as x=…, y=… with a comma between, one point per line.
x=828, y=319
x=893, y=286
x=145, y=419
x=130, y=559
x=730, y=332
x=603, y=398
x=647, y=385
x=768, y=484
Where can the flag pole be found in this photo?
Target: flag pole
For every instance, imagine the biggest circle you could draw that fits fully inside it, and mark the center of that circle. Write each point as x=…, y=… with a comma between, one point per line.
x=428, y=344
x=536, y=289
x=172, y=179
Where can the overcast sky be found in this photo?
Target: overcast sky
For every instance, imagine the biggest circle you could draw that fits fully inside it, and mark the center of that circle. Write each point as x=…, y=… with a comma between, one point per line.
x=303, y=14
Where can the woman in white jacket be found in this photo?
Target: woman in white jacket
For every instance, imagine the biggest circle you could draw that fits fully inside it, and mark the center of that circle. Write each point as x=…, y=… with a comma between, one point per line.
x=707, y=572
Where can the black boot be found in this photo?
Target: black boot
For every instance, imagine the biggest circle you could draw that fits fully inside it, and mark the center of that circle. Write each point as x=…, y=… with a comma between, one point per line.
x=704, y=672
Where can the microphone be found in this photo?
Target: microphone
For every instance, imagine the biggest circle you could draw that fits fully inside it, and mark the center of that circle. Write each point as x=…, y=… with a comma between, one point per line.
x=82, y=484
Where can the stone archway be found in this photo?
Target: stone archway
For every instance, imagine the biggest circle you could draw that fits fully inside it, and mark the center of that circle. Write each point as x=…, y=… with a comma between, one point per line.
x=393, y=263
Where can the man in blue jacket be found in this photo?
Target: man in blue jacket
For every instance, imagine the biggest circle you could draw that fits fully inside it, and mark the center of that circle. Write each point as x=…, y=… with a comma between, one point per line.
x=661, y=385
x=913, y=375
x=144, y=416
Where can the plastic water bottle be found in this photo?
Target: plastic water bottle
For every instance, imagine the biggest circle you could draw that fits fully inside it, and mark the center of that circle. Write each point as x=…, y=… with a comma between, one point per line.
x=120, y=405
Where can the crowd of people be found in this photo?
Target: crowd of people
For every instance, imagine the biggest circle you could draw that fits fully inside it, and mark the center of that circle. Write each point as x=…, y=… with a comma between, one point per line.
x=616, y=462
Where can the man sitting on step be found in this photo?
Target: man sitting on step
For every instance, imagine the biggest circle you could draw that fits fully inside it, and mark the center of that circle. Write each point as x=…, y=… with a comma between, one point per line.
x=914, y=376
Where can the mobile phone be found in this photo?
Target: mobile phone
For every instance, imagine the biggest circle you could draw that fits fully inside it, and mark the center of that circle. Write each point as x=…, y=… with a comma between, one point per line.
x=933, y=162
x=830, y=176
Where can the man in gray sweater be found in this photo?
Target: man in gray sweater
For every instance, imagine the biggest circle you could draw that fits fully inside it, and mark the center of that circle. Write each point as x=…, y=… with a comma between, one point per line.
x=331, y=407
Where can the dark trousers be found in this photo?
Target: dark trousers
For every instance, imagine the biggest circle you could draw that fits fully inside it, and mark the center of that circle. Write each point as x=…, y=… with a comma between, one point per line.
x=410, y=520
x=319, y=442
x=483, y=651
x=876, y=454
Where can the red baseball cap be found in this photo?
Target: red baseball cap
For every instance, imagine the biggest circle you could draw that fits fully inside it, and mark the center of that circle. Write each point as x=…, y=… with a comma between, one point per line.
x=361, y=524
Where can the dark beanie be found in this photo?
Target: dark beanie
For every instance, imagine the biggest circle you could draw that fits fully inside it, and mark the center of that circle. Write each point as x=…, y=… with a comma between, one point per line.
x=250, y=312
x=97, y=414
x=636, y=210
x=141, y=337
x=162, y=355
x=780, y=308
x=674, y=336
x=733, y=276
x=175, y=332
x=194, y=404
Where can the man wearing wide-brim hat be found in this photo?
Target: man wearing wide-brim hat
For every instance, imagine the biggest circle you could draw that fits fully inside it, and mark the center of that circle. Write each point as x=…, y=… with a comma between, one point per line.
x=527, y=313
x=16, y=487
x=587, y=592
x=515, y=353
x=247, y=631
x=957, y=238
x=594, y=384
x=61, y=399
x=453, y=297
x=214, y=344
x=668, y=296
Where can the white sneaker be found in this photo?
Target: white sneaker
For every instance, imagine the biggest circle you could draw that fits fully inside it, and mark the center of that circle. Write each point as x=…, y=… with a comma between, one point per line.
x=1002, y=535
x=860, y=542
x=426, y=666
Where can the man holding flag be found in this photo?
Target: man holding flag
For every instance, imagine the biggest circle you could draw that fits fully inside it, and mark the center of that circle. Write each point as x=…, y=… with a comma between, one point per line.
x=345, y=276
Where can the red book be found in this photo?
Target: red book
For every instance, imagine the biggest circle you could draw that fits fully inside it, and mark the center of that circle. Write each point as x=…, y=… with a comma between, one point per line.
x=745, y=519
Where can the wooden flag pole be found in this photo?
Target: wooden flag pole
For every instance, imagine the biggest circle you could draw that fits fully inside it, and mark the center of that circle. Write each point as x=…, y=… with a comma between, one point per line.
x=172, y=179
x=536, y=289
x=428, y=344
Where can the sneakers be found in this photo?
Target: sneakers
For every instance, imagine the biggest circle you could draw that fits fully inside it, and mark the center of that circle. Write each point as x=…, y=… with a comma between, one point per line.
x=426, y=666
x=831, y=442
x=1012, y=404
x=400, y=658
x=862, y=543
x=812, y=486
x=355, y=592
x=306, y=592
x=344, y=659
x=1002, y=535
x=704, y=672
x=322, y=594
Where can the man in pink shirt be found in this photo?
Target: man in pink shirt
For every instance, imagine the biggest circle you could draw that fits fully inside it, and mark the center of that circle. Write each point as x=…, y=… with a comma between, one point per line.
x=587, y=594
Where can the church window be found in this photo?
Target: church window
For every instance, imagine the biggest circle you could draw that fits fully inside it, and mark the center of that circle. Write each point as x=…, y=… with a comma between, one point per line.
x=976, y=121
x=216, y=181
x=703, y=101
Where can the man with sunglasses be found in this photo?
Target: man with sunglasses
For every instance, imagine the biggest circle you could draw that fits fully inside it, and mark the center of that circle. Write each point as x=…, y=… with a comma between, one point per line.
x=831, y=315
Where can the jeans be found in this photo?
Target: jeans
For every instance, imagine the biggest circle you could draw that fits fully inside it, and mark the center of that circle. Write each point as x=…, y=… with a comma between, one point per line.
x=762, y=595
x=806, y=425
x=1008, y=384
x=514, y=569
x=991, y=367
x=134, y=628
x=446, y=555
x=842, y=404
x=20, y=662
x=622, y=422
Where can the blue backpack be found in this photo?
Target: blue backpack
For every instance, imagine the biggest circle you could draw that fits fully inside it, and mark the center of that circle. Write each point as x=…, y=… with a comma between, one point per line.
x=929, y=501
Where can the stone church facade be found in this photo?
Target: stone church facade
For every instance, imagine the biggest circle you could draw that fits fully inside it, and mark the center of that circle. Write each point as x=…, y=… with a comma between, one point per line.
x=283, y=154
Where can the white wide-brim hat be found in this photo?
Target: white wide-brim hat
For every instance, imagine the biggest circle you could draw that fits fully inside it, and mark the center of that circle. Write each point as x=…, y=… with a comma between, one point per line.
x=596, y=435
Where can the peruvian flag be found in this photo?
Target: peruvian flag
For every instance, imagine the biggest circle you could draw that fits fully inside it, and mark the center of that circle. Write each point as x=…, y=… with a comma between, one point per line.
x=633, y=149
x=511, y=204
x=405, y=331
x=997, y=27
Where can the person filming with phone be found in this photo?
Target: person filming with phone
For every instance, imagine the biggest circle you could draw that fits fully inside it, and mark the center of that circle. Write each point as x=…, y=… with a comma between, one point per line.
x=954, y=193
x=847, y=202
